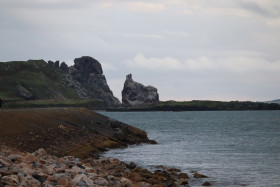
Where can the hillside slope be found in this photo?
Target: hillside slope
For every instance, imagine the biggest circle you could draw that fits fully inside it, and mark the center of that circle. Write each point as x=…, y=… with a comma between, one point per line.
x=39, y=80
x=32, y=79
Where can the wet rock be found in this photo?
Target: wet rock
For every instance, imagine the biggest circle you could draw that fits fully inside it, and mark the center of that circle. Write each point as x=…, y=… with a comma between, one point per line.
x=183, y=181
x=131, y=165
x=135, y=93
x=183, y=175
x=206, y=183
x=198, y=175
x=174, y=170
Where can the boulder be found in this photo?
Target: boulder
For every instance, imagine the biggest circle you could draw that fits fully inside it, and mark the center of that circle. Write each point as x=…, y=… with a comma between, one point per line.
x=88, y=72
x=135, y=93
x=198, y=175
x=206, y=183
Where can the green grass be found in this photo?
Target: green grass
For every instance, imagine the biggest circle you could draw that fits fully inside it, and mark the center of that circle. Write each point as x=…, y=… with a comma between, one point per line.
x=37, y=77
x=87, y=103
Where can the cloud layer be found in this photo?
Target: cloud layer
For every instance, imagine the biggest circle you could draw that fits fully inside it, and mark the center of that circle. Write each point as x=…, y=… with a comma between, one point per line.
x=209, y=49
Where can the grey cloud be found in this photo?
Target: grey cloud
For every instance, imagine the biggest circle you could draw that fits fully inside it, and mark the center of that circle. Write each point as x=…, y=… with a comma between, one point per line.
x=273, y=11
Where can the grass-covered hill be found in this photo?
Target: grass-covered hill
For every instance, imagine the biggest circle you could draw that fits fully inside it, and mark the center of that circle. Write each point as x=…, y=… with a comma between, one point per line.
x=36, y=83
x=33, y=76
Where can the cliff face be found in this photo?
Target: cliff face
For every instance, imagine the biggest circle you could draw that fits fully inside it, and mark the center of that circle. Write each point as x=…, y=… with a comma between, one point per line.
x=88, y=72
x=39, y=80
x=135, y=93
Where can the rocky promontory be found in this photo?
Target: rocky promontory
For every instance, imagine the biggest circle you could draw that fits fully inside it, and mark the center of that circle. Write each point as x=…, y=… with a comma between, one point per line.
x=65, y=131
x=62, y=147
x=135, y=93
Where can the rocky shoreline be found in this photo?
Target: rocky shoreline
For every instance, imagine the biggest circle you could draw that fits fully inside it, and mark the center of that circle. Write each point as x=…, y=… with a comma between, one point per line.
x=62, y=147
x=66, y=131
x=41, y=169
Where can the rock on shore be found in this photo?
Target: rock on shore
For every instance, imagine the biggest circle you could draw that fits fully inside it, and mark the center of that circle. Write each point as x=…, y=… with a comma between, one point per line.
x=41, y=169
x=135, y=93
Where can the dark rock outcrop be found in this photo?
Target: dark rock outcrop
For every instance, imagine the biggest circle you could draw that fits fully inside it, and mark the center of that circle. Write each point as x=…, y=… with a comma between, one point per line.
x=88, y=72
x=135, y=93
x=24, y=93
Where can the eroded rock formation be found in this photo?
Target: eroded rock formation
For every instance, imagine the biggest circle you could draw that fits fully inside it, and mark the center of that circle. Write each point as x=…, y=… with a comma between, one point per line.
x=88, y=72
x=135, y=93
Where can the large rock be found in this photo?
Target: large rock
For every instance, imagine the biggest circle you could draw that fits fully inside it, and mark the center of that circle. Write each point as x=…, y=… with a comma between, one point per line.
x=24, y=93
x=88, y=72
x=135, y=93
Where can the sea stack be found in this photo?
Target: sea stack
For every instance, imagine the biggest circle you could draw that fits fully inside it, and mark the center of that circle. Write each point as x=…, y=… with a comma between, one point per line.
x=135, y=93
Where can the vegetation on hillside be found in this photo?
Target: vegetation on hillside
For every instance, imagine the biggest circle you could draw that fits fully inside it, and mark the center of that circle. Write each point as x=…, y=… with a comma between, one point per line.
x=34, y=75
x=201, y=105
x=87, y=103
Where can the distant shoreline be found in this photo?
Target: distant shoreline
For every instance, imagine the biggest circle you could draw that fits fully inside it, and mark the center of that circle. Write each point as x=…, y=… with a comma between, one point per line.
x=199, y=105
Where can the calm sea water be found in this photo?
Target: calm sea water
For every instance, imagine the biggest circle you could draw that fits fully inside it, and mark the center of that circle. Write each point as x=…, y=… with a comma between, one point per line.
x=233, y=148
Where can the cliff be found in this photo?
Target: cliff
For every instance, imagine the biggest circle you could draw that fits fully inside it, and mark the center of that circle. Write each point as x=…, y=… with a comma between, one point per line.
x=39, y=80
x=135, y=93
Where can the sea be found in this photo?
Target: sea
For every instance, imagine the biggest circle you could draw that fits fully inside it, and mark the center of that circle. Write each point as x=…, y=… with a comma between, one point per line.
x=233, y=148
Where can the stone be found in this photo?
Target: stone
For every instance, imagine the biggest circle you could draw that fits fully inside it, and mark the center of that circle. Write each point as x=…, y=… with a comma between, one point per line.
x=174, y=170
x=24, y=93
x=40, y=152
x=11, y=180
x=198, y=175
x=76, y=170
x=125, y=182
x=206, y=183
x=183, y=176
x=101, y=181
x=82, y=184
x=15, y=158
x=183, y=181
x=131, y=165
x=135, y=93
x=115, y=161
x=5, y=161
x=143, y=184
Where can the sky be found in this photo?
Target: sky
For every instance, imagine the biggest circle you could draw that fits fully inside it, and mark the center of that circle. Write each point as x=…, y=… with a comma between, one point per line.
x=188, y=49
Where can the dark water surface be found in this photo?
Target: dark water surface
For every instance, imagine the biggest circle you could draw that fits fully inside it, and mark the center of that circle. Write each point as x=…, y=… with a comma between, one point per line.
x=234, y=148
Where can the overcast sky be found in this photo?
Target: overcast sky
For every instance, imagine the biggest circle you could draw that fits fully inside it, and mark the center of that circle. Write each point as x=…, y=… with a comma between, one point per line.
x=188, y=49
